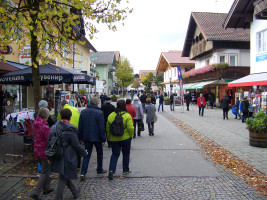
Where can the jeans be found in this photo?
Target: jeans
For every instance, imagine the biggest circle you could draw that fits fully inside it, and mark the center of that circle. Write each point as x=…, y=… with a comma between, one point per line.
x=143, y=106
x=172, y=106
x=160, y=104
x=44, y=179
x=237, y=113
x=136, y=122
x=123, y=146
x=201, y=110
x=150, y=127
x=187, y=105
x=99, y=150
x=62, y=182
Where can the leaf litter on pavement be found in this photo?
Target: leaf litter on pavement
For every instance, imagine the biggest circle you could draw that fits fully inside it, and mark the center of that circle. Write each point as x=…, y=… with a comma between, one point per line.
x=222, y=156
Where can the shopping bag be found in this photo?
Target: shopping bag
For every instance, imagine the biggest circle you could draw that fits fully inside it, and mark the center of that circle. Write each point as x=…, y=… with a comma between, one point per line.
x=155, y=118
x=141, y=126
x=234, y=110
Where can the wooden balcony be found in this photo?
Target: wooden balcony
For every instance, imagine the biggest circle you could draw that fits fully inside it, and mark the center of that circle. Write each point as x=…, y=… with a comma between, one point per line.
x=227, y=73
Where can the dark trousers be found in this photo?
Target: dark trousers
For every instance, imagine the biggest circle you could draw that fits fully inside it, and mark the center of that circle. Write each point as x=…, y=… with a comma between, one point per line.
x=136, y=122
x=160, y=104
x=62, y=183
x=225, y=113
x=201, y=110
x=44, y=179
x=237, y=113
x=123, y=146
x=244, y=117
x=143, y=106
x=99, y=150
x=150, y=127
x=187, y=105
x=211, y=105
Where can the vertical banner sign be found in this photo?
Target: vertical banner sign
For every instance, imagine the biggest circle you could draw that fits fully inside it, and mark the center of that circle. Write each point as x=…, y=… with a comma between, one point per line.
x=180, y=78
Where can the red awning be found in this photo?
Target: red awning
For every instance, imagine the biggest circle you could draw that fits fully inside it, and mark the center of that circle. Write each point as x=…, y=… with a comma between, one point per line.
x=5, y=67
x=250, y=80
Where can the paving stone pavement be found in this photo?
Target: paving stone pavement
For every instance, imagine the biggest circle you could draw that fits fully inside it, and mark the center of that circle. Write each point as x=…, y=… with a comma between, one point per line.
x=170, y=165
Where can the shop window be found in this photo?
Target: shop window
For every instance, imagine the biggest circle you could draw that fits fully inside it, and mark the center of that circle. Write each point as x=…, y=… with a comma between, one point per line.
x=261, y=41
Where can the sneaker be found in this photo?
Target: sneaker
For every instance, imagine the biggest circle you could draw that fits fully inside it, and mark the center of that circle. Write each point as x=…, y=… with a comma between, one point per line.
x=126, y=173
x=48, y=191
x=110, y=175
x=35, y=197
x=82, y=177
x=103, y=172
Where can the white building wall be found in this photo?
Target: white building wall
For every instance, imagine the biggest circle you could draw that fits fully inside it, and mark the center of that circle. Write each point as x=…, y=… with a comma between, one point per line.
x=261, y=64
x=242, y=57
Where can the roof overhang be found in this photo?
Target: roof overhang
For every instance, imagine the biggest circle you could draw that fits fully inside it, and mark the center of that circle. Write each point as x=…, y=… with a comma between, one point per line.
x=250, y=80
x=240, y=15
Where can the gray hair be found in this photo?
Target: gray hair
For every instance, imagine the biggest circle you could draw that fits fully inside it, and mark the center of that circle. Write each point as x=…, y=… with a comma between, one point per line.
x=94, y=100
x=43, y=113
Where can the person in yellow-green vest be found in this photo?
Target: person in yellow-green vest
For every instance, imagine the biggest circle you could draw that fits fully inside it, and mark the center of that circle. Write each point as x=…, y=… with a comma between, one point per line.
x=75, y=113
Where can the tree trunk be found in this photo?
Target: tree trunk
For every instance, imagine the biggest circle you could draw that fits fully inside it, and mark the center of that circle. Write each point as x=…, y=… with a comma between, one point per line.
x=35, y=70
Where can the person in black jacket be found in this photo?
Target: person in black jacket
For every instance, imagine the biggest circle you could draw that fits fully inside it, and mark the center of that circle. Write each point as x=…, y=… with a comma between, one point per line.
x=92, y=131
x=245, y=106
x=107, y=109
x=143, y=100
x=212, y=100
x=161, y=100
x=172, y=102
x=66, y=167
x=188, y=99
x=225, y=106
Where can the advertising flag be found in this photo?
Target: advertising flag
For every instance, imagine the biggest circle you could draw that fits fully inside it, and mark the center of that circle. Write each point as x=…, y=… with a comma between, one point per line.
x=180, y=78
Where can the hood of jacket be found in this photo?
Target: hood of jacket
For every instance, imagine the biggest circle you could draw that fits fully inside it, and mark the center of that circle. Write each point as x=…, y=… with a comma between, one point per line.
x=64, y=126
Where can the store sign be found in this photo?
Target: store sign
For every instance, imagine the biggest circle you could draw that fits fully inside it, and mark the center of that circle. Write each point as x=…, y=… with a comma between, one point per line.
x=261, y=58
x=5, y=49
x=11, y=78
x=25, y=54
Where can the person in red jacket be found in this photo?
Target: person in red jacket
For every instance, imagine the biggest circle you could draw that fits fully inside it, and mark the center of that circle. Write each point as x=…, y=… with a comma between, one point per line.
x=130, y=109
x=201, y=103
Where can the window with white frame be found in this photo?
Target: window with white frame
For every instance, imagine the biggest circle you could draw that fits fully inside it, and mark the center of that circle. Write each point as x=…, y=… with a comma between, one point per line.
x=261, y=41
x=233, y=60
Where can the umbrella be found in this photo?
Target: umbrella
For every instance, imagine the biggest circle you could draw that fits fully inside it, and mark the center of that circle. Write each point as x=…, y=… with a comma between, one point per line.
x=49, y=74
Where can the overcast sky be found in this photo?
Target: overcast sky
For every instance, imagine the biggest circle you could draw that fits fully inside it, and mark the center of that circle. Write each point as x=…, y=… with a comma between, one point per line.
x=155, y=26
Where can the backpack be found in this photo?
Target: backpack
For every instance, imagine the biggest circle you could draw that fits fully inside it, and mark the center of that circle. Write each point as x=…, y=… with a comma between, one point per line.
x=55, y=150
x=116, y=127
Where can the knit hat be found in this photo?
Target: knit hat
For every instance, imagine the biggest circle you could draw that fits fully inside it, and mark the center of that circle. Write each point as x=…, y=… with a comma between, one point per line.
x=108, y=99
x=43, y=104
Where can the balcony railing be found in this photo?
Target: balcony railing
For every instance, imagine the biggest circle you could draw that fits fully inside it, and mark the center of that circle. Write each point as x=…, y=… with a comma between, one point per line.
x=227, y=73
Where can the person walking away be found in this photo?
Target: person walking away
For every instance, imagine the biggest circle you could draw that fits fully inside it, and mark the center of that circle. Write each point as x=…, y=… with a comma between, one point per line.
x=41, y=130
x=245, y=106
x=66, y=167
x=120, y=143
x=172, y=102
x=44, y=104
x=225, y=101
x=237, y=104
x=212, y=100
x=161, y=100
x=74, y=111
x=107, y=108
x=201, y=103
x=150, y=113
x=130, y=109
x=153, y=99
x=103, y=98
x=92, y=133
x=139, y=116
x=188, y=99
x=206, y=96
x=132, y=95
x=143, y=100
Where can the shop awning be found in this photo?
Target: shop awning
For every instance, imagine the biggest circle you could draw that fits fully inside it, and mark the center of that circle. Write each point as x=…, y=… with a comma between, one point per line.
x=199, y=85
x=250, y=80
x=189, y=86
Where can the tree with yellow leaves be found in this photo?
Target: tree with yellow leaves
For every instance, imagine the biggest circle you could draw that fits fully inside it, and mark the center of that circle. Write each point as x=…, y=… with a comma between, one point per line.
x=53, y=26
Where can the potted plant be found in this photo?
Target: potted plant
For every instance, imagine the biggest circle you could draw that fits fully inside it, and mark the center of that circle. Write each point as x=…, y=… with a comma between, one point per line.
x=166, y=100
x=114, y=98
x=257, y=127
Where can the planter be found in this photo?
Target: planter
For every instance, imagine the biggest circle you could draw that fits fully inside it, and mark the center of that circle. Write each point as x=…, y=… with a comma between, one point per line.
x=167, y=102
x=257, y=139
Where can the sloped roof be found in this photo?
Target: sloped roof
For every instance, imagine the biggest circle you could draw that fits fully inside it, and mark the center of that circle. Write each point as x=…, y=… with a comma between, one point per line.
x=211, y=27
x=175, y=57
x=104, y=57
